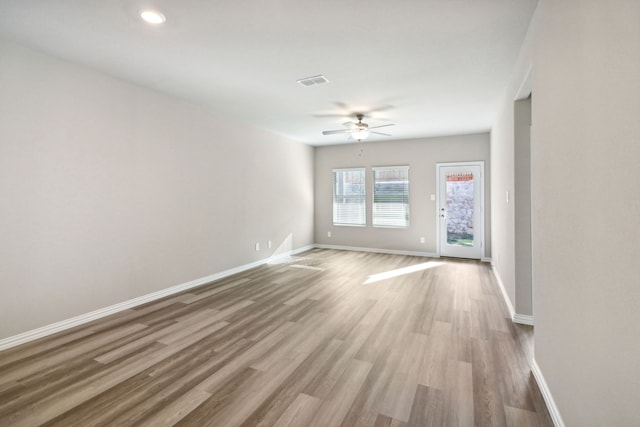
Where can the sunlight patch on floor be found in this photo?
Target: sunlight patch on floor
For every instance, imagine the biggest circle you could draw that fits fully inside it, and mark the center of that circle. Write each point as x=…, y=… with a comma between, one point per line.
x=287, y=259
x=307, y=267
x=402, y=271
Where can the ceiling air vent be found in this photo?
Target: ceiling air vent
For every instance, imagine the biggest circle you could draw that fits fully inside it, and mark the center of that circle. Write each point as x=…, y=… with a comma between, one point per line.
x=314, y=80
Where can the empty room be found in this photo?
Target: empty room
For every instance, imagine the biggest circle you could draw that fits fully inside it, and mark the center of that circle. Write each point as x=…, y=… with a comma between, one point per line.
x=317, y=213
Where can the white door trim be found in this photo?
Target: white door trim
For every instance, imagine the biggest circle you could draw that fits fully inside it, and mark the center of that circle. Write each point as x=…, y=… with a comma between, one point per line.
x=482, y=220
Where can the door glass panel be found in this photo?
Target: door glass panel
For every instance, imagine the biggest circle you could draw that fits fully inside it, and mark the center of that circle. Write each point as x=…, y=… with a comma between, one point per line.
x=459, y=218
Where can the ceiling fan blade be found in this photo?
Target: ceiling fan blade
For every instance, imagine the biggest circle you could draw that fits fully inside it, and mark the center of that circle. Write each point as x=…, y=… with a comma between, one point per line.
x=381, y=109
x=380, y=133
x=334, y=132
x=342, y=105
x=381, y=126
x=349, y=124
x=379, y=119
x=332, y=115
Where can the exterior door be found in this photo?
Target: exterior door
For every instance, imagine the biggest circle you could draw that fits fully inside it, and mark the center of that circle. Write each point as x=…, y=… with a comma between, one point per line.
x=461, y=210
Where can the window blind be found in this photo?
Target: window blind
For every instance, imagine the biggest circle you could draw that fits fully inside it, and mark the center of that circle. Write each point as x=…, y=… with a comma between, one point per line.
x=391, y=196
x=349, y=193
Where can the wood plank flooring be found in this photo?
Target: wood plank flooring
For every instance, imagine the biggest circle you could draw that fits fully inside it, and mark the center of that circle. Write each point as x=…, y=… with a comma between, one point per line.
x=327, y=338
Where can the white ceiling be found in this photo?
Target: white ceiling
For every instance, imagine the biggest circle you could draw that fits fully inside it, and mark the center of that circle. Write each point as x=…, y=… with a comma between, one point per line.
x=432, y=67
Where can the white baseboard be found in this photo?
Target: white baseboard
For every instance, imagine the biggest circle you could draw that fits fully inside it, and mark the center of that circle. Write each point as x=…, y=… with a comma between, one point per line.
x=505, y=295
x=546, y=395
x=379, y=251
x=486, y=259
x=103, y=312
x=523, y=319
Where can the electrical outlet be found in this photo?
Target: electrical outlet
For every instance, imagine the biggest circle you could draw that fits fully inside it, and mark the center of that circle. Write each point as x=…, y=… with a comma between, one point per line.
x=328, y=234
x=422, y=240
x=257, y=246
x=269, y=244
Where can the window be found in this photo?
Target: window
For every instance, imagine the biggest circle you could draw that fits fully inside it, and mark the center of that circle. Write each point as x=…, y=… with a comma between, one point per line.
x=391, y=196
x=349, y=197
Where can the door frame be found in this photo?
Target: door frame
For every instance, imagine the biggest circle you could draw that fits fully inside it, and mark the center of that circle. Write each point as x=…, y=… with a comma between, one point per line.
x=479, y=163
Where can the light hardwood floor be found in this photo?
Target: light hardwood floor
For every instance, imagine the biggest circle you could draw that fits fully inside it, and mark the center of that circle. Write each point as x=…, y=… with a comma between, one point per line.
x=328, y=338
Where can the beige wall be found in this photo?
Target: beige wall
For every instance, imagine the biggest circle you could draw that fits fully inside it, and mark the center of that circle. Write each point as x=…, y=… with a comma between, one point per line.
x=586, y=208
x=503, y=212
x=421, y=155
x=109, y=191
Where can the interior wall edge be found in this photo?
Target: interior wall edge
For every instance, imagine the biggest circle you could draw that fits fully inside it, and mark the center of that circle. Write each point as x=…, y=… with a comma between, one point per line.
x=546, y=395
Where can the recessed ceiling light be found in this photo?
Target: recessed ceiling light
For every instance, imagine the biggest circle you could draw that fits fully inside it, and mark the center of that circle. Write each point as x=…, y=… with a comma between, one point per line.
x=152, y=17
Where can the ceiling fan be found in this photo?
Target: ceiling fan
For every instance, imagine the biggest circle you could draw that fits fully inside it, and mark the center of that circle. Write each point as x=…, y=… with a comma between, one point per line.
x=358, y=131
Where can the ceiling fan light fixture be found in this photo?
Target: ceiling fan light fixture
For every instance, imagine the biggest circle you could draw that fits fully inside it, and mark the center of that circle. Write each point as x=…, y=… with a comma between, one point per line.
x=360, y=134
x=358, y=131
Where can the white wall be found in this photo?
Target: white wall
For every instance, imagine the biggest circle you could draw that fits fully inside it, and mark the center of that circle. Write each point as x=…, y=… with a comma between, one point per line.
x=421, y=155
x=109, y=191
x=586, y=208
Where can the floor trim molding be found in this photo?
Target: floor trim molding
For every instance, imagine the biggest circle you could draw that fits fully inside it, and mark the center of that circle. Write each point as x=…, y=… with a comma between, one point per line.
x=546, y=395
x=505, y=295
x=523, y=319
x=53, y=328
x=377, y=250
